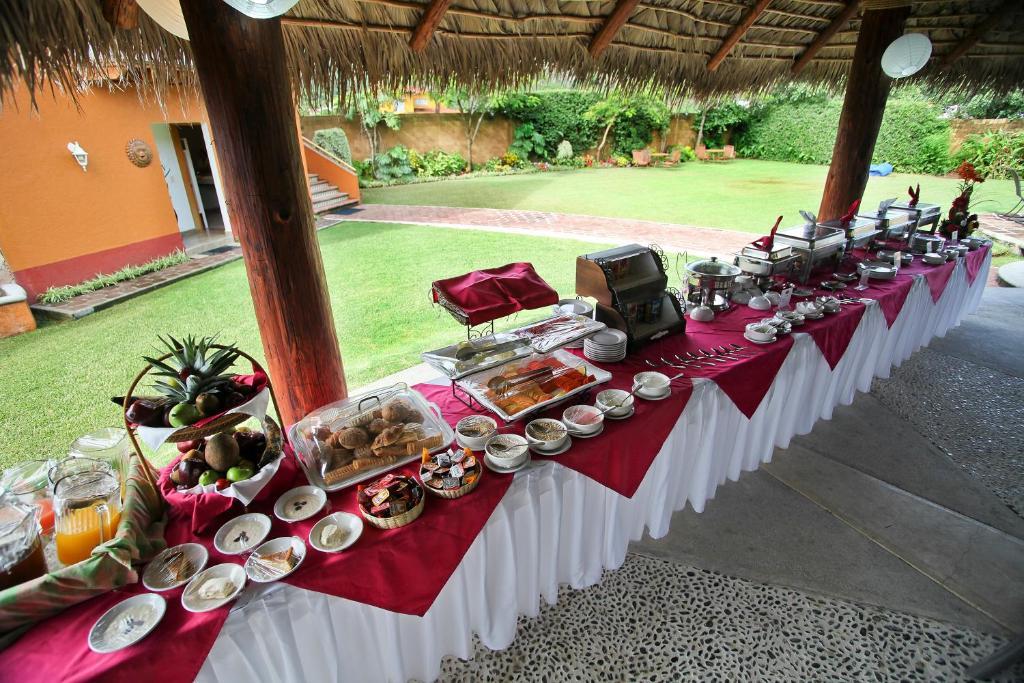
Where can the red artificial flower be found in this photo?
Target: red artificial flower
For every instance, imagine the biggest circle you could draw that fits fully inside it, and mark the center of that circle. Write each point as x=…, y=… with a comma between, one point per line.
x=967, y=171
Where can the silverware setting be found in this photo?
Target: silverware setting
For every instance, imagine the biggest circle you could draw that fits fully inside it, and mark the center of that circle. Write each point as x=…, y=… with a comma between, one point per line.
x=704, y=358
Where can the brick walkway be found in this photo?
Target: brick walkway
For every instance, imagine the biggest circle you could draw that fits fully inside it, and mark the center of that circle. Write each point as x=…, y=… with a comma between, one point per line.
x=91, y=302
x=1004, y=229
x=669, y=236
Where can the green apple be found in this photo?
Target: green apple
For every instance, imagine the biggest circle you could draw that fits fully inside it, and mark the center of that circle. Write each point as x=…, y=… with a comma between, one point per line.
x=239, y=473
x=183, y=415
x=208, y=477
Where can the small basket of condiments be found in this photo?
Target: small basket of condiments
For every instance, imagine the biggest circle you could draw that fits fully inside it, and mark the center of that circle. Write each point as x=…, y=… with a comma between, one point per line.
x=451, y=474
x=391, y=502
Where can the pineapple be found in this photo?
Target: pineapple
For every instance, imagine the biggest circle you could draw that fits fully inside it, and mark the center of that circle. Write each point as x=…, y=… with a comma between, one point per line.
x=195, y=375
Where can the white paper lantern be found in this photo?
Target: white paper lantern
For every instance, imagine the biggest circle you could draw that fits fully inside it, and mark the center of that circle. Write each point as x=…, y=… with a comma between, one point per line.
x=906, y=55
x=262, y=9
x=166, y=13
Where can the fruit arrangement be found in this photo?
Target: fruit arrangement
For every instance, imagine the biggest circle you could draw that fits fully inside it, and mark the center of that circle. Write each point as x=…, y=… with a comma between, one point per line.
x=193, y=383
x=222, y=459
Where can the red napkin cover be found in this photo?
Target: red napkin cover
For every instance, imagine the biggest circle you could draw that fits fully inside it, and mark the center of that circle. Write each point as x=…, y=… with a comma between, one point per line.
x=486, y=295
x=834, y=332
x=973, y=262
x=768, y=241
x=850, y=213
x=915, y=195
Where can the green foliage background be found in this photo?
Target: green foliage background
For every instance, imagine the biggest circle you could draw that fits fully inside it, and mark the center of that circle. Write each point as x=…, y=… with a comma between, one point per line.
x=994, y=154
x=335, y=141
x=555, y=115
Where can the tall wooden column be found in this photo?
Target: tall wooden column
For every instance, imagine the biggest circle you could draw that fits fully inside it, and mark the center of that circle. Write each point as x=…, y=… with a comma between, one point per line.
x=867, y=89
x=243, y=72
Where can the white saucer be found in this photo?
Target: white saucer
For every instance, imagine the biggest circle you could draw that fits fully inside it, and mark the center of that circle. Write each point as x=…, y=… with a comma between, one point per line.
x=111, y=633
x=505, y=470
x=632, y=410
x=591, y=435
x=558, y=451
x=259, y=573
x=759, y=341
x=653, y=397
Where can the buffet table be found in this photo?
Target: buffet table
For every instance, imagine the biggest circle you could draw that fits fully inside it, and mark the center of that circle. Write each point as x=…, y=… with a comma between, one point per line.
x=408, y=597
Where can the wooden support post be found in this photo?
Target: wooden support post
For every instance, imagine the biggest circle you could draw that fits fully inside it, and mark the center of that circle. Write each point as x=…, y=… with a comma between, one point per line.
x=121, y=13
x=867, y=89
x=616, y=20
x=730, y=42
x=243, y=72
x=841, y=20
x=428, y=24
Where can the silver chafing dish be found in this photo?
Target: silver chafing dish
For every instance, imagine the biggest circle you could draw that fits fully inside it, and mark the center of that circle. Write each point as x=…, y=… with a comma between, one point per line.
x=928, y=215
x=762, y=265
x=709, y=283
x=859, y=231
x=812, y=244
x=893, y=222
x=923, y=243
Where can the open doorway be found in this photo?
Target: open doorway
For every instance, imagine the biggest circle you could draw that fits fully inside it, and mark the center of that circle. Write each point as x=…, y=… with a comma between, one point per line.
x=200, y=175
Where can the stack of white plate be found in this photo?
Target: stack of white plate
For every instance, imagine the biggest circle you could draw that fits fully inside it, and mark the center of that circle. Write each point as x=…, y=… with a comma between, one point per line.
x=606, y=346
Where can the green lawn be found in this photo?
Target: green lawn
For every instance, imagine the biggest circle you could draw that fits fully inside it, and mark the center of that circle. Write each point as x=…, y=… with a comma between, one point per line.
x=742, y=195
x=55, y=383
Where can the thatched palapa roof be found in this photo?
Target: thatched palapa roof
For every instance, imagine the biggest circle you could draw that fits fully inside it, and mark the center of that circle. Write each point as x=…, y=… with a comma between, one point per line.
x=693, y=46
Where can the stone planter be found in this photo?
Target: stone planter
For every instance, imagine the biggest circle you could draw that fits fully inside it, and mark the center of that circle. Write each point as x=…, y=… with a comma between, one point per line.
x=15, y=316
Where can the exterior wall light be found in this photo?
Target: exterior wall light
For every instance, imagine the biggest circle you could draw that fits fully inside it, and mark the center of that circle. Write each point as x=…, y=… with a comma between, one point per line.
x=80, y=155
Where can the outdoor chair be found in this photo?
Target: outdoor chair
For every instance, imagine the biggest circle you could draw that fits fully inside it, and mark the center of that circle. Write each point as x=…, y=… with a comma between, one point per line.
x=641, y=157
x=729, y=152
x=674, y=157
x=1015, y=212
x=702, y=153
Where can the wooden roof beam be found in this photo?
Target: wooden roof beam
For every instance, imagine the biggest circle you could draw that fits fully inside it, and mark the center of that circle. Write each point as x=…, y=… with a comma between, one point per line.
x=830, y=31
x=121, y=13
x=737, y=33
x=979, y=31
x=616, y=20
x=429, y=22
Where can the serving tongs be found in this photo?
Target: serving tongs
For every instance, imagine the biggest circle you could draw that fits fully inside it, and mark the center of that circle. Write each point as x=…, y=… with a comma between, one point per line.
x=469, y=351
x=503, y=386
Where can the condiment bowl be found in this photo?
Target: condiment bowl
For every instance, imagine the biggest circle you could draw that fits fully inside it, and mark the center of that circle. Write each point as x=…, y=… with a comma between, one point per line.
x=622, y=401
x=473, y=441
x=583, y=419
x=761, y=331
x=546, y=434
x=507, y=450
x=351, y=527
x=227, y=540
x=651, y=383
x=299, y=503
x=190, y=599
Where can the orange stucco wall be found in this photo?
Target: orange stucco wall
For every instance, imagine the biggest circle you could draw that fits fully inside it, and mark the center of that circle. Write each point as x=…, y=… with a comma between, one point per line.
x=58, y=222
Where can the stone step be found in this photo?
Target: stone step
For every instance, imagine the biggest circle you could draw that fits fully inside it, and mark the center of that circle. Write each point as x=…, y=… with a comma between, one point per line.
x=344, y=200
x=320, y=186
x=327, y=193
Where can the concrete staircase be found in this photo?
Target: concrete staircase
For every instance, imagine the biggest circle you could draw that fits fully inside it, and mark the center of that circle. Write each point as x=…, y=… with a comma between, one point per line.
x=326, y=196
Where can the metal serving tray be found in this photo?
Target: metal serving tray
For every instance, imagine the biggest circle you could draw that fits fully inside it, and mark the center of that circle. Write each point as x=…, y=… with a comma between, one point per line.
x=753, y=265
x=860, y=230
x=925, y=212
x=812, y=238
x=476, y=385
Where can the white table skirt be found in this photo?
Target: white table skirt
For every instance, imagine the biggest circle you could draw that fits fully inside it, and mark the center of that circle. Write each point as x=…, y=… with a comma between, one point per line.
x=555, y=526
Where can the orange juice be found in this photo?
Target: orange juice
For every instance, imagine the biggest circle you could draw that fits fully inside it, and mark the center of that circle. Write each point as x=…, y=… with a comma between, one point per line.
x=78, y=533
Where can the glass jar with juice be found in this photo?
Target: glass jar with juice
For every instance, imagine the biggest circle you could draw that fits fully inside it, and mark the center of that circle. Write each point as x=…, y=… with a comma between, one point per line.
x=21, y=549
x=28, y=483
x=87, y=507
x=109, y=445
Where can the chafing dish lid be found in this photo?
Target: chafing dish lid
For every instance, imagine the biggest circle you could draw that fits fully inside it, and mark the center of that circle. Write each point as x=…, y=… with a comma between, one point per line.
x=714, y=267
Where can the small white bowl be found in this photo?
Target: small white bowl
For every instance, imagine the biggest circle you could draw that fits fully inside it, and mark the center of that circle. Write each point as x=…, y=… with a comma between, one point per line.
x=574, y=418
x=228, y=542
x=542, y=444
x=613, y=397
x=702, y=314
x=190, y=599
x=260, y=575
x=299, y=503
x=760, y=303
x=761, y=331
x=933, y=259
x=154, y=578
x=810, y=308
x=351, y=525
x=742, y=298
x=652, y=383
x=475, y=443
x=515, y=452
x=773, y=298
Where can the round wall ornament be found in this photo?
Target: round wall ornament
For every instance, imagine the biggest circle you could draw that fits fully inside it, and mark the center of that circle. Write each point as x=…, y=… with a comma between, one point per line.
x=139, y=153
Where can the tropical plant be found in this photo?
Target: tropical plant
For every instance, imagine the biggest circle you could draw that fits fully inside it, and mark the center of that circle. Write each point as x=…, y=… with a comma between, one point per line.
x=556, y=114
x=436, y=163
x=393, y=164
x=56, y=295
x=335, y=141
x=995, y=153
x=686, y=153
x=369, y=111
x=527, y=142
x=621, y=161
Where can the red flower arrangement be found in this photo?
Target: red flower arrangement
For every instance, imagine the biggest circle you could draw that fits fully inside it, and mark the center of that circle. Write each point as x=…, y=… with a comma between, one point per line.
x=960, y=220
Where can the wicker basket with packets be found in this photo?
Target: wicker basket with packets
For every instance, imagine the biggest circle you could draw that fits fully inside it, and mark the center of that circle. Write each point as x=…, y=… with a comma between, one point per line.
x=450, y=474
x=391, y=502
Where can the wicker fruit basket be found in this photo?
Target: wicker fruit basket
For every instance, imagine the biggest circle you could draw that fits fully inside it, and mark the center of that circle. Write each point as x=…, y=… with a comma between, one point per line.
x=407, y=517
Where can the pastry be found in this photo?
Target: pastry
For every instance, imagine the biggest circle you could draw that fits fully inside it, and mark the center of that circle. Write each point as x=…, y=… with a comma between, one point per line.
x=396, y=410
x=178, y=565
x=428, y=443
x=389, y=436
x=377, y=426
x=356, y=465
x=216, y=588
x=280, y=562
x=352, y=437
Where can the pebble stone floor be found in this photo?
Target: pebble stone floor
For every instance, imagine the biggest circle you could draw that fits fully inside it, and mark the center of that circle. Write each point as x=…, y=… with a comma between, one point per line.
x=657, y=620
x=971, y=412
